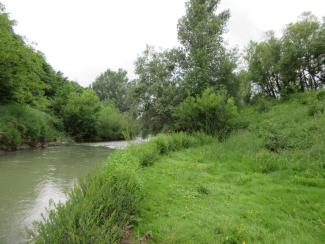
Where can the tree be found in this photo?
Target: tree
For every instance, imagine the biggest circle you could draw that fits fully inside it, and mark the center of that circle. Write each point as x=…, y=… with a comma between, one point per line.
x=20, y=66
x=112, y=86
x=80, y=115
x=200, y=32
x=157, y=87
x=294, y=62
x=264, y=65
x=302, y=62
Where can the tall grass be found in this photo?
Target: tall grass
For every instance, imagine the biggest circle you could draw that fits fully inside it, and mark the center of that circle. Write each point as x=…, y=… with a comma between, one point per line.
x=105, y=204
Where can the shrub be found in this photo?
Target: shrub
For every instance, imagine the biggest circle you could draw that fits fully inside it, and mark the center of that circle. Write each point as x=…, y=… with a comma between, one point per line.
x=163, y=143
x=321, y=95
x=80, y=115
x=22, y=124
x=110, y=123
x=276, y=142
x=214, y=114
x=146, y=154
x=315, y=108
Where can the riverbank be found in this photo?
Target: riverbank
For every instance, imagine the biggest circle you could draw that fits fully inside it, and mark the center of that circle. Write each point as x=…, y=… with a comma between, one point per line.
x=29, y=179
x=107, y=203
x=264, y=184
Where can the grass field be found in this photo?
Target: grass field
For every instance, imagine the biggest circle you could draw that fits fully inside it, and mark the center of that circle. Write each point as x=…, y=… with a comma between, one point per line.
x=265, y=184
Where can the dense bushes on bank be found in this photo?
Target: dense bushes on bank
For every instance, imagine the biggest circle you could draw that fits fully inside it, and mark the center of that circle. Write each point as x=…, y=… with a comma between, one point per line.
x=105, y=204
x=22, y=124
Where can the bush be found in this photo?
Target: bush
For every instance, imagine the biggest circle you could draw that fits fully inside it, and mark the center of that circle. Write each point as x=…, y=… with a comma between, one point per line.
x=21, y=124
x=87, y=119
x=147, y=153
x=321, y=95
x=80, y=115
x=113, y=125
x=211, y=113
x=276, y=142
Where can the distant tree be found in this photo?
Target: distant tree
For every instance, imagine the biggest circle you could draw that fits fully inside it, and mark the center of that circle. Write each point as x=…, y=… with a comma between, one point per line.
x=208, y=64
x=112, y=86
x=302, y=62
x=295, y=62
x=157, y=87
x=264, y=65
x=62, y=95
x=80, y=115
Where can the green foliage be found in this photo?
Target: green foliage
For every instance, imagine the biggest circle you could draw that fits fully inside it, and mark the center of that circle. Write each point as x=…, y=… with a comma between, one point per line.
x=321, y=95
x=251, y=190
x=80, y=115
x=315, y=108
x=207, y=62
x=98, y=210
x=112, y=86
x=262, y=105
x=157, y=88
x=113, y=125
x=292, y=63
x=212, y=113
x=25, y=76
x=22, y=124
x=275, y=141
x=105, y=204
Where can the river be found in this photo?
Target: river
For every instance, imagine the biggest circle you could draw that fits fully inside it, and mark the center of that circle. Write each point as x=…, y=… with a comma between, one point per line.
x=29, y=179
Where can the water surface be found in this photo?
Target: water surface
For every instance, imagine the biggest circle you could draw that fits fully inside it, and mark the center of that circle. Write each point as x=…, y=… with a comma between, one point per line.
x=29, y=179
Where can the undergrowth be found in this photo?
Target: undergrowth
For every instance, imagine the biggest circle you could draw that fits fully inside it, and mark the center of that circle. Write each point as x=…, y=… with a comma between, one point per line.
x=21, y=124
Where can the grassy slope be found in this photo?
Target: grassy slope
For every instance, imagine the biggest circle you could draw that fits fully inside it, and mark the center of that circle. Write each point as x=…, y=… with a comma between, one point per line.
x=239, y=191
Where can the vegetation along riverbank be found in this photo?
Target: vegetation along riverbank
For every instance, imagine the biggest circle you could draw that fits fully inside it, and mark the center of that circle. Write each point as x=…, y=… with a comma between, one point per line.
x=238, y=147
x=265, y=183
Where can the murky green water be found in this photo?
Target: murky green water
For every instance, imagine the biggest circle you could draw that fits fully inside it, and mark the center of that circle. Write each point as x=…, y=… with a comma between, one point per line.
x=29, y=179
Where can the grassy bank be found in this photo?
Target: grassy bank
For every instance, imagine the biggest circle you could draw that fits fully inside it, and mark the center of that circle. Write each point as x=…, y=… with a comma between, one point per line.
x=106, y=204
x=264, y=184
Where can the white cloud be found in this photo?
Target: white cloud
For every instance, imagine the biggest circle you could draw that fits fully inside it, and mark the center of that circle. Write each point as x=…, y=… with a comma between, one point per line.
x=83, y=38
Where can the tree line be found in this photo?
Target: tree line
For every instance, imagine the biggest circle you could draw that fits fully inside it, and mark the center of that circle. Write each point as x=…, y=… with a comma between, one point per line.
x=198, y=85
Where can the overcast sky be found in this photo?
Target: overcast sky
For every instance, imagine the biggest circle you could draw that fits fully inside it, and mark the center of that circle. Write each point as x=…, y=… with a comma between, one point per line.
x=82, y=38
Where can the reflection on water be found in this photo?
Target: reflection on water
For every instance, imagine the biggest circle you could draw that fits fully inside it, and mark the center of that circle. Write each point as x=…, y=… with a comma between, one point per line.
x=29, y=179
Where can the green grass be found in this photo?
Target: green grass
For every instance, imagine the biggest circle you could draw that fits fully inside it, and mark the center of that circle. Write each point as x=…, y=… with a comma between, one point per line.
x=105, y=204
x=264, y=184
x=243, y=190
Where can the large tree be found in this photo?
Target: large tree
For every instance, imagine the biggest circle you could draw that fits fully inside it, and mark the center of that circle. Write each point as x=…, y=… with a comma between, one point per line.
x=112, y=85
x=157, y=88
x=200, y=32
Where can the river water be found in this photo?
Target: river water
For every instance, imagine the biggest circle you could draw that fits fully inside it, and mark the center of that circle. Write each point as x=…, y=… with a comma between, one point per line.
x=29, y=179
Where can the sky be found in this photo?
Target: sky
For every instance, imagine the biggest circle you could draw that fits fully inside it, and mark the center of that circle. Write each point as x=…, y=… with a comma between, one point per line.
x=83, y=38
